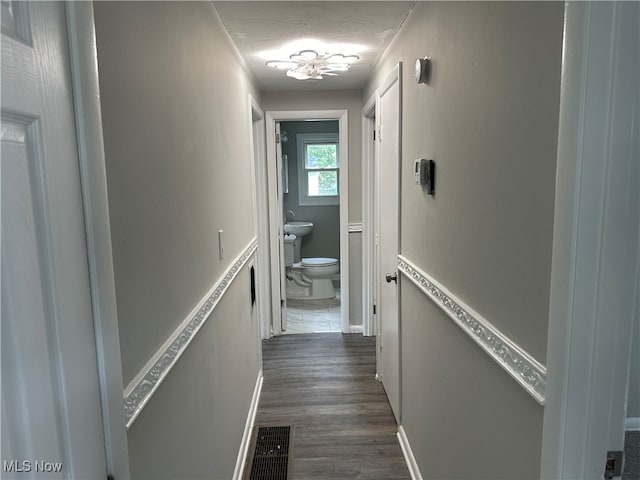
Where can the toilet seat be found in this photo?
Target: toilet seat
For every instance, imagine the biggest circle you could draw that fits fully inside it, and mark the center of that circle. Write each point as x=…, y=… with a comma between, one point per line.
x=319, y=262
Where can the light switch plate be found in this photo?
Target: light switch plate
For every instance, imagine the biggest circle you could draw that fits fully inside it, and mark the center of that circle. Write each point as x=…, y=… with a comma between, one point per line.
x=220, y=244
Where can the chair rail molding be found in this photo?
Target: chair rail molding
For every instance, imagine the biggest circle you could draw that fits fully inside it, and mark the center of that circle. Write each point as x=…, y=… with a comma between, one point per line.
x=515, y=360
x=144, y=385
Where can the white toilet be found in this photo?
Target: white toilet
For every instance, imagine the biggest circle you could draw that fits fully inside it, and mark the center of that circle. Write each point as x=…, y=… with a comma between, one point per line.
x=310, y=278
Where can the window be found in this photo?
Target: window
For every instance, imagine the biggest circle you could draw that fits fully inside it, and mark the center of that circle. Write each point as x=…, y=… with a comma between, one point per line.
x=318, y=168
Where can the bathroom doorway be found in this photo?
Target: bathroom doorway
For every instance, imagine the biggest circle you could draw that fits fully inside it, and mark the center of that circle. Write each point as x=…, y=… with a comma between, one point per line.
x=311, y=213
x=308, y=191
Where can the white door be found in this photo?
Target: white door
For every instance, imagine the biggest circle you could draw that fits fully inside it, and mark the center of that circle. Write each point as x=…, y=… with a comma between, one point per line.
x=280, y=225
x=51, y=416
x=388, y=234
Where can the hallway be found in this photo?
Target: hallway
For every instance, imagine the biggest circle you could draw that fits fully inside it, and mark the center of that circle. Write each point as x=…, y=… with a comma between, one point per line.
x=324, y=385
x=489, y=252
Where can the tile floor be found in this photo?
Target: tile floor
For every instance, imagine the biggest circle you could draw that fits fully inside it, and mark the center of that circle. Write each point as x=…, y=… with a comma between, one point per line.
x=314, y=316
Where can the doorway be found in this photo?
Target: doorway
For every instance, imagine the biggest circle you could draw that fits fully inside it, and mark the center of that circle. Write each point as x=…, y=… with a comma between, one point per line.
x=324, y=184
x=311, y=212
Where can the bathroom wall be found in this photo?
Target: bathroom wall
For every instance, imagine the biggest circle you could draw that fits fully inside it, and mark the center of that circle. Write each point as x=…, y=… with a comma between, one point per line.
x=324, y=239
x=489, y=119
x=176, y=126
x=351, y=100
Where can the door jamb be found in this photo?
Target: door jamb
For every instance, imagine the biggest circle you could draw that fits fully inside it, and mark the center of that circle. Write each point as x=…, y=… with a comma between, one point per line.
x=595, y=230
x=261, y=215
x=369, y=156
x=275, y=210
x=370, y=180
x=89, y=132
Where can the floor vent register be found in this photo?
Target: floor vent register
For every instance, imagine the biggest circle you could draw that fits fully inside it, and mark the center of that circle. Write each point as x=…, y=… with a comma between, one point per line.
x=270, y=453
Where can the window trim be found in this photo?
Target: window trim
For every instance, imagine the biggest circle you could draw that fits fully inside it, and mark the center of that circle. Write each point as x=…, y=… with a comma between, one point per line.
x=303, y=139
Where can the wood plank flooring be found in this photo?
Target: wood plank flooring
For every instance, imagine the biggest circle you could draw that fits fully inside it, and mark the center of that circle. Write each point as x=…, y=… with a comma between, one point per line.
x=324, y=384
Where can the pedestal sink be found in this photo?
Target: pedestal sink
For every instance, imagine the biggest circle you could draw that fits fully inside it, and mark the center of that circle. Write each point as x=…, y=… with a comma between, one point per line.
x=299, y=229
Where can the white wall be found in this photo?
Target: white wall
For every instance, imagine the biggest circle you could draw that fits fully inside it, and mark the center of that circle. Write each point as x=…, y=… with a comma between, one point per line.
x=176, y=126
x=489, y=119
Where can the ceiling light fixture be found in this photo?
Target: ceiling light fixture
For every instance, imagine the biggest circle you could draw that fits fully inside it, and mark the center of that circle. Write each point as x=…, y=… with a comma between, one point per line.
x=312, y=65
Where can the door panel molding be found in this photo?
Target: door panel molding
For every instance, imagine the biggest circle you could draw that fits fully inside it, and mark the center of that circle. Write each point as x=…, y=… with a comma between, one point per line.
x=48, y=304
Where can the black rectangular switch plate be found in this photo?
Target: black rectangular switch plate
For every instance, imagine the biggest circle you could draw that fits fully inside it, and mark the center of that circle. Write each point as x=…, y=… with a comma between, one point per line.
x=252, y=272
x=431, y=177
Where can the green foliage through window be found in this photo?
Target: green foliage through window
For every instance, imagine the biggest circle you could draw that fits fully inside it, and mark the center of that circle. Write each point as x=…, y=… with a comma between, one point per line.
x=321, y=162
x=322, y=156
x=318, y=168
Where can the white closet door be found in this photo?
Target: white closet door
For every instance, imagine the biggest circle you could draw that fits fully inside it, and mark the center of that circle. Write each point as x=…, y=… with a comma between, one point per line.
x=51, y=416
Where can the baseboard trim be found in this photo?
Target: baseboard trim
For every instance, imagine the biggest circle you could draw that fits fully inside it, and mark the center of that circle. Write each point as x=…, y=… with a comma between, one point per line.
x=238, y=472
x=355, y=328
x=632, y=424
x=412, y=465
x=147, y=381
x=514, y=359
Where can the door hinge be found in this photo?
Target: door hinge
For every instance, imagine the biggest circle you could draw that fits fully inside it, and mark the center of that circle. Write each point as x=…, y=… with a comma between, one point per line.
x=277, y=138
x=281, y=303
x=374, y=134
x=374, y=308
x=110, y=477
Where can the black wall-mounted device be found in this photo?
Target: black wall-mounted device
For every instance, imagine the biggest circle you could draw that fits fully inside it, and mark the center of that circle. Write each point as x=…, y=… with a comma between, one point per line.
x=423, y=70
x=431, y=177
x=424, y=174
x=252, y=284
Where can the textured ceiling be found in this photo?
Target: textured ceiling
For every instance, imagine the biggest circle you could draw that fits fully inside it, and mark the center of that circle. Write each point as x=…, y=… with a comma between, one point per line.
x=267, y=30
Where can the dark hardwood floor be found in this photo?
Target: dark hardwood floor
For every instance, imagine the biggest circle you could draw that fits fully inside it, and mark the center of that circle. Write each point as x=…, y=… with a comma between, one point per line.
x=324, y=384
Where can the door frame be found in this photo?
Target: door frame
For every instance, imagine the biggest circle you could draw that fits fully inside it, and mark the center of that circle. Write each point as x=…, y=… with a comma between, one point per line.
x=261, y=215
x=275, y=210
x=370, y=210
x=594, y=277
x=86, y=97
x=369, y=158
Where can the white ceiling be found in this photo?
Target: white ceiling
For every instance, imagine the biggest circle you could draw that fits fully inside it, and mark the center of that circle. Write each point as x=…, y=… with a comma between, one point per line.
x=268, y=30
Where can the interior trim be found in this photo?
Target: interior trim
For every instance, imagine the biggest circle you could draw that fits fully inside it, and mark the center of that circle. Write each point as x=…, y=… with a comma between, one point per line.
x=238, y=472
x=412, y=465
x=143, y=386
x=515, y=360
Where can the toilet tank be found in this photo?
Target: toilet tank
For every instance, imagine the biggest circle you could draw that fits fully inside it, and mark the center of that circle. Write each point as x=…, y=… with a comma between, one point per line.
x=289, y=245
